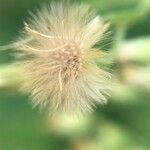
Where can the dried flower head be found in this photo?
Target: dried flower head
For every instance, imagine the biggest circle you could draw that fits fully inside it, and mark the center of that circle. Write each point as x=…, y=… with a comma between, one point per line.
x=59, y=58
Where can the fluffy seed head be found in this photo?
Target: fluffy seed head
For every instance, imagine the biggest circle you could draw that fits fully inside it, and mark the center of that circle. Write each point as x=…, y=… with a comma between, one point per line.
x=59, y=58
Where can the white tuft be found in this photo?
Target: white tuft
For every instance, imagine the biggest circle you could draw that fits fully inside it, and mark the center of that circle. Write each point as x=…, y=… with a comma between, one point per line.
x=59, y=62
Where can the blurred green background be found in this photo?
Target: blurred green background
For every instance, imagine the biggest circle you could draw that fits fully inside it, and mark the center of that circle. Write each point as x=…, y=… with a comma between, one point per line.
x=122, y=124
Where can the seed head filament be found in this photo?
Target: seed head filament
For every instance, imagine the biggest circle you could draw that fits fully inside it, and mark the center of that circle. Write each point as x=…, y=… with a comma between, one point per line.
x=69, y=58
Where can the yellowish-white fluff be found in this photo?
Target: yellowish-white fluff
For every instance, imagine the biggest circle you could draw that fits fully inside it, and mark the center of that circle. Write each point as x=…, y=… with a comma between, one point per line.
x=59, y=58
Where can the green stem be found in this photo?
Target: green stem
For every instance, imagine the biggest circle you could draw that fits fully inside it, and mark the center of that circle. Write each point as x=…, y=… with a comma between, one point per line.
x=119, y=38
x=10, y=77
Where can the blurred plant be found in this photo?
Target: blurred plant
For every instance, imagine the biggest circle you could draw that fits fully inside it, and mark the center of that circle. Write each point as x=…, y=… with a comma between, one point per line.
x=124, y=123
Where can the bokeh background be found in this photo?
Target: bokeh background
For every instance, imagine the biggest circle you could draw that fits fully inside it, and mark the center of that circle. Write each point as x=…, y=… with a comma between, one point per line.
x=122, y=124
